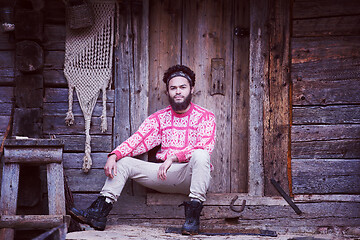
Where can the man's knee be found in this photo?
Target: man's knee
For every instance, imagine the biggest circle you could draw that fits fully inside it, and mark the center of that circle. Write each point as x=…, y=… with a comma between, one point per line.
x=200, y=156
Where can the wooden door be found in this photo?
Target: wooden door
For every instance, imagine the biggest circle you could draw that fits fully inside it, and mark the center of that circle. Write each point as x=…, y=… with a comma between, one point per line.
x=212, y=38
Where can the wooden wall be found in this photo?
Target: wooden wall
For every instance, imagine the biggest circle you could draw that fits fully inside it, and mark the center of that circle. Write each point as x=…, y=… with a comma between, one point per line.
x=55, y=103
x=325, y=73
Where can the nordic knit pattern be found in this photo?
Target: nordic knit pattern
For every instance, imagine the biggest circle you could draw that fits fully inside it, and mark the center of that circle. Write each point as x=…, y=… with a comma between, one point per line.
x=179, y=134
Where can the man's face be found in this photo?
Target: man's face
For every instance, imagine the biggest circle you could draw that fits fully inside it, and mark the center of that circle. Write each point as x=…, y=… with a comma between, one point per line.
x=180, y=92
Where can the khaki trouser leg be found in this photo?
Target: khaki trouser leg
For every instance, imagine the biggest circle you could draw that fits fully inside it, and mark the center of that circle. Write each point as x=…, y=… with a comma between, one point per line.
x=192, y=178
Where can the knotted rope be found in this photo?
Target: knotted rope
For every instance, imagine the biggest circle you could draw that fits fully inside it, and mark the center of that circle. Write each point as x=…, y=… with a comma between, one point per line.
x=88, y=67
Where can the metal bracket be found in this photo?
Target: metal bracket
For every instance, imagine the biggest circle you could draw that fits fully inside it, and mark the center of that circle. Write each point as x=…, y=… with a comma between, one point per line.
x=217, y=76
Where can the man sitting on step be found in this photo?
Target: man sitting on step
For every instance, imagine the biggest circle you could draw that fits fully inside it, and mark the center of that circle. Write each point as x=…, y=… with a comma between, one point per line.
x=186, y=133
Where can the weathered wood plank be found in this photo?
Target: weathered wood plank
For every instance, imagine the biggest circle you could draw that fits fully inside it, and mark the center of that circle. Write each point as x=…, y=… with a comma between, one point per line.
x=54, y=124
x=277, y=101
x=259, y=62
x=324, y=132
x=29, y=91
x=61, y=108
x=326, y=92
x=75, y=160
x=324, y=8
x=54, y=12
x=32, y=154
x=212, y=30
x=139, y=84
x=54, y=78
x=240, y=102
x=75, y=143
x=54, y=37
x=79, y=181
x=54, y=60
x=214, y=199
x=6, y=94
x=327, y=198
x=9, y=188
x=345, y=68
x=5, y=109
x=7, y=64
x=326, y=149
x=135, y=207
x=7, y=41
x=4, y=121
x=326, y=114
x=55, y=184
x=330, y=26
x=33, y=221
x=55, y=95
x=281, y=226
x=326, y=176
x=313, y=49
x=164, y=47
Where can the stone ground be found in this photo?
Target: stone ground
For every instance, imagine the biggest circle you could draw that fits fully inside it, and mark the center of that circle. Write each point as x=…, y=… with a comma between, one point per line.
x=115, y=232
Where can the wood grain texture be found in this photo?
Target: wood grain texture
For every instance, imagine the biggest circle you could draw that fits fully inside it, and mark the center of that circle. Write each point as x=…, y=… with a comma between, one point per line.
x=55, y=184
x=240, y=100
x=330, y=26
x=326, y=176
x=324, y=8
x=339, y=114
x=165, y=27
x=207, y=24
x=75, y=143
x=277, y=100
x=259, y=61
x=55, y=124
x=342, y=149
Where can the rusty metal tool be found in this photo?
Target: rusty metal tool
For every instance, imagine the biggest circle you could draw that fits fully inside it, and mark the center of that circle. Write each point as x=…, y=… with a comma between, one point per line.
x=285, y=196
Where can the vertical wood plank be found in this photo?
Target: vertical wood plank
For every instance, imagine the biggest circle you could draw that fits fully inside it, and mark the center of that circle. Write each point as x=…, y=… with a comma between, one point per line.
x=123, y=74
x=258, y=77
x=131, y=72
x=9, y=193
x=140, y=83
x=56, y=194
x=240, y=102
x=207, y=34
x=164, y=47
x=276, y=104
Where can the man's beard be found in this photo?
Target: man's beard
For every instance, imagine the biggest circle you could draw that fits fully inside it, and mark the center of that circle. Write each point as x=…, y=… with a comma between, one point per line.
x=180, y=106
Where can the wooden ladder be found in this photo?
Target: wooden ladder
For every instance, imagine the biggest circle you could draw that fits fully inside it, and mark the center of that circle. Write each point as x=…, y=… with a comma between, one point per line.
x=32, y=152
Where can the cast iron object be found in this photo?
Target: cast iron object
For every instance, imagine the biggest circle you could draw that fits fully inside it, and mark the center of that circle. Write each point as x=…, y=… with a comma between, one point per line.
x=232, y=207
x=285, y=196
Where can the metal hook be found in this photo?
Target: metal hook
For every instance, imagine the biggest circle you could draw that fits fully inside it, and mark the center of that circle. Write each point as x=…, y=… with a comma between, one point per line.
x=232, y=207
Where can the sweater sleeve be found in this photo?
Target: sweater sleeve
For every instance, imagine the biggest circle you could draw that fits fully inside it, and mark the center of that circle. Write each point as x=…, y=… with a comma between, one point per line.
x=144, y=139
x=205, y=138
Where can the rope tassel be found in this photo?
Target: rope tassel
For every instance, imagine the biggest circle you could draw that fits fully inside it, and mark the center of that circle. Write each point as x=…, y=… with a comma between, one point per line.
x=88, y=67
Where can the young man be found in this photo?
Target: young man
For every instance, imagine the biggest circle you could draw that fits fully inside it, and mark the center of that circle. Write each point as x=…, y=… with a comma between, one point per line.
x=186, y=133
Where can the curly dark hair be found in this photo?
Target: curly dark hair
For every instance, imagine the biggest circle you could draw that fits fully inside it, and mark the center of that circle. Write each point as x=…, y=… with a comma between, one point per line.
x=179, y=70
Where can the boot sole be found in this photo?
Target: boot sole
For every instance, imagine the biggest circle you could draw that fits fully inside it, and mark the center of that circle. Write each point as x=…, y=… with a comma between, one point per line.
x=189, y=233
x=97, y=225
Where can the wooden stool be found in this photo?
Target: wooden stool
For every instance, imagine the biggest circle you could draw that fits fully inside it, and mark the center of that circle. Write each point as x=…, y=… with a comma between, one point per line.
x=33, y=152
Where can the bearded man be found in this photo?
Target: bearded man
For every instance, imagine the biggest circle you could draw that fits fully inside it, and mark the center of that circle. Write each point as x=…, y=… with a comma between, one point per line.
x=186, y=133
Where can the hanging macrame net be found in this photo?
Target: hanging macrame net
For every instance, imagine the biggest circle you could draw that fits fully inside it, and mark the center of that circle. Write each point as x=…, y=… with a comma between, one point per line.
x=88, y=67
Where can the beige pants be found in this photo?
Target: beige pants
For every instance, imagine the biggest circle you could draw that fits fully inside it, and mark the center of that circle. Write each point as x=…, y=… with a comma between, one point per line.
x=191, y=178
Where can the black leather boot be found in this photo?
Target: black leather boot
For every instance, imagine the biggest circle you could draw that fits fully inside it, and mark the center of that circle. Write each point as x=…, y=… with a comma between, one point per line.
x=192, y=217
x=95, y=215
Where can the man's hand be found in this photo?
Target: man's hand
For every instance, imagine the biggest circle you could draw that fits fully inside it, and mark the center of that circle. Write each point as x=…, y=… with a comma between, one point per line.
x=110, y=166
x=165, y=166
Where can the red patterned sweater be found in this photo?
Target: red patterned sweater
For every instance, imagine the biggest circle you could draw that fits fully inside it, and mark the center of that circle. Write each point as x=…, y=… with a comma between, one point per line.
x=178, y=134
